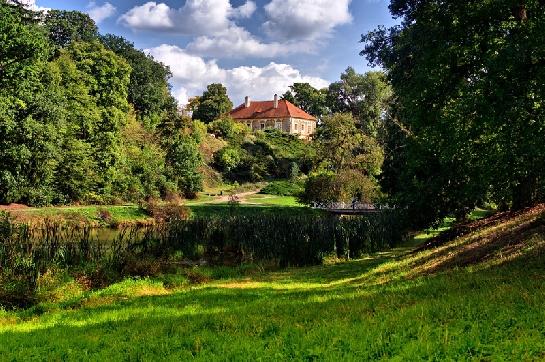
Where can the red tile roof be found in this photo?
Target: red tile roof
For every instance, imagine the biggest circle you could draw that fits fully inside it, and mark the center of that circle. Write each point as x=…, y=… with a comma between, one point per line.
x=261, y=110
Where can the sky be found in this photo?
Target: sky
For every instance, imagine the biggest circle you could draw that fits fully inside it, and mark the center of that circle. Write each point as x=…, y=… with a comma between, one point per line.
x=256, y=48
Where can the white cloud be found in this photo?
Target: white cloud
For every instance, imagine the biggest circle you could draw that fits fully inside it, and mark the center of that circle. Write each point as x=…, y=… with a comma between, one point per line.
x=300, y=30
x=191, y=75
x=100, y=13
x=196, y=17
x=239, y=43
x=246, y=10
x=31, y=4
x=306, y=19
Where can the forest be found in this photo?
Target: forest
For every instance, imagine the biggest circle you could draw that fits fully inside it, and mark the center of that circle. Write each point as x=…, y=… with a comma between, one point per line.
x=85, y=117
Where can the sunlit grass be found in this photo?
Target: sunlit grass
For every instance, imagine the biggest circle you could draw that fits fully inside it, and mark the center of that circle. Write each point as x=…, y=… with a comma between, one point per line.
x=392, y=305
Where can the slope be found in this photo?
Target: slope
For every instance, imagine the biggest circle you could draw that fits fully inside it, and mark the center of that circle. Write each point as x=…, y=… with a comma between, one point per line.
x=478, y=297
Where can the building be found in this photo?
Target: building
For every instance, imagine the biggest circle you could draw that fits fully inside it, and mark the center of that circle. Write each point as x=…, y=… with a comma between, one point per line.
x=275, y=114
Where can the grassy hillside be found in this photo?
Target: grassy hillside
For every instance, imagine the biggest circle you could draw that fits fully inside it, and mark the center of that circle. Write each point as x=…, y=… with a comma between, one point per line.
x=478, y=297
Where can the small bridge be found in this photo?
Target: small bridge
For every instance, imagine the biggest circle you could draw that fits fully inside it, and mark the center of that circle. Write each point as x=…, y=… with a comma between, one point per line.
x=350, y=208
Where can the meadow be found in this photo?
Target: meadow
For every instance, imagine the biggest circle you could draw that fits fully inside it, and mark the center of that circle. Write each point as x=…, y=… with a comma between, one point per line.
x=133, y=214
x=478, y=297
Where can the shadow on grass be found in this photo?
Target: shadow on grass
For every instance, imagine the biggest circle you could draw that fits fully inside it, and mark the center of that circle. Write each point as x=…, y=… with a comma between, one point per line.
x=275, y=321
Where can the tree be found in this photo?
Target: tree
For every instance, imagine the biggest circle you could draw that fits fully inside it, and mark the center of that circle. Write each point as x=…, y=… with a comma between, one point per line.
x=308, y=98
x=341, y=145
x=66, y=27
x=93, y=84
x=469, y=79
x=347, y=165
x=365, y=96
x=184, y=160
x=213, y=104
x=149, y=91
x=28, y=137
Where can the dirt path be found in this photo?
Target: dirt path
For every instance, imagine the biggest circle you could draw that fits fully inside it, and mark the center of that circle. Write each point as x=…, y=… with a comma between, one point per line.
x=241, y=197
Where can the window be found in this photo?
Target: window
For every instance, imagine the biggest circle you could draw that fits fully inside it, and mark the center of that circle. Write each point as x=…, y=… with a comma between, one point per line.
x=278, y=125
x=262, y=126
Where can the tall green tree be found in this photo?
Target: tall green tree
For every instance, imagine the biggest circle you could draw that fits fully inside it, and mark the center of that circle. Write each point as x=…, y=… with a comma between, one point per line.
x=348, y=163
x=214, y=103
x=341, y=145
x=149, y=91
x=469, y=78
x=184, y=160
x=95, y=85
x=308, y=98
x=365, y=96
x=65, y=27
x=28, y=141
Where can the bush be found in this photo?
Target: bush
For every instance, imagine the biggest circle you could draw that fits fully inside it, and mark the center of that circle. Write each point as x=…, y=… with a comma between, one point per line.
x=345, y=186
x=284, y=188
x=229, y=129
x=166, y=212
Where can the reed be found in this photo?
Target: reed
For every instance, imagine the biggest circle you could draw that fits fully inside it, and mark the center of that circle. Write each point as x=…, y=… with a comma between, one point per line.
x=279, y=240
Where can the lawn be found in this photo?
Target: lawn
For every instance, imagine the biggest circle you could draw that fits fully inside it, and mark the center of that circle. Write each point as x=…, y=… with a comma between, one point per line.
x=204, y=206
x=124, y=214
x=481, y=297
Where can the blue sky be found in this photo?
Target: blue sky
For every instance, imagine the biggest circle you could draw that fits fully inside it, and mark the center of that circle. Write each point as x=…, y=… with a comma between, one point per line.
x=255, y=48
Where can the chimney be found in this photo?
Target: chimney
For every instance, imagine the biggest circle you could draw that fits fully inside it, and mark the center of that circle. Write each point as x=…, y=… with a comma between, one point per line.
x=276, y=101
x=247, y=102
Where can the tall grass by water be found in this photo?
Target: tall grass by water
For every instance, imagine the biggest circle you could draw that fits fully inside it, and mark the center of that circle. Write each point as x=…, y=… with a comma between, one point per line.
x=273, y=240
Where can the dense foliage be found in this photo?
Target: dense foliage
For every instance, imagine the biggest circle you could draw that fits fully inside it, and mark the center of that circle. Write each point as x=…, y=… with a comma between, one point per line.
x=79, y=121
x=365, y=96
x=213, y=104
x=347, y=164
x=469, y=81
x=309, y=99
x=293, y=187
x=263, y=155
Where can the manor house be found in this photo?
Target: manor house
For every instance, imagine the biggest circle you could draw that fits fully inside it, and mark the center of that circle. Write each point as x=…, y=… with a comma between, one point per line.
x=276, y=114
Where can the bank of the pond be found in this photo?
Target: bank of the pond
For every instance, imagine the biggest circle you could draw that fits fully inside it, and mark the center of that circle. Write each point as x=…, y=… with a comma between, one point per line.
x=479, y=297
x=272, y=239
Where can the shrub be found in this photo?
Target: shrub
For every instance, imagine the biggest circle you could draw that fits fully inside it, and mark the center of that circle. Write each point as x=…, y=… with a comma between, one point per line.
x=105, y=216
x=345, y=186
x=228, y=158
x=284, y=188
x=166, y=212
x=229, y=129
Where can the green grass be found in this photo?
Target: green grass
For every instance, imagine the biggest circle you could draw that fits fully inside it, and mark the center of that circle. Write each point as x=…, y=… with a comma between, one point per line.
x=481, y=297
x=203, y=206
x=119, y=214
x=285, y=201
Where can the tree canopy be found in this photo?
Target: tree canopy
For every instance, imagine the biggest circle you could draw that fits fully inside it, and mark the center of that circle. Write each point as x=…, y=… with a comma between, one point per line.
x=469, y=80
x=365, y=96
x=214, y=103
x=308, y=98
x=78, y=119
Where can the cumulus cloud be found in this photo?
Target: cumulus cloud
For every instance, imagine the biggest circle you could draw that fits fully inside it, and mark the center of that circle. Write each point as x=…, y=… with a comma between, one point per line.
x=213, y=25
x=196, y=17
x=31, y=4
x=191, y=75
x=306, y=19
x=239, y=43
x=245, y=11
x=100, y=13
